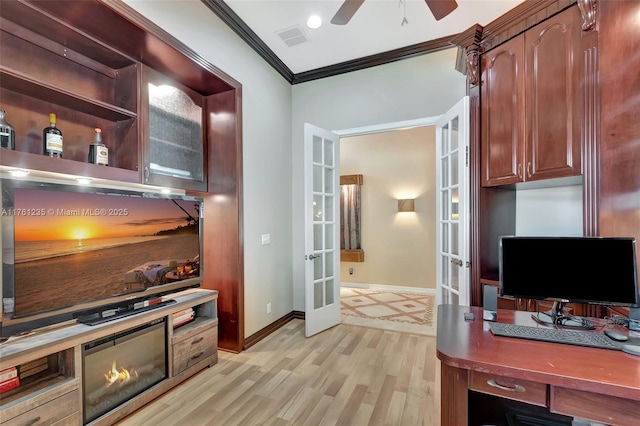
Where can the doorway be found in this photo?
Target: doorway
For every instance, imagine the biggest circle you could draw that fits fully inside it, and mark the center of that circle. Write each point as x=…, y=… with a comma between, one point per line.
x=399, y=247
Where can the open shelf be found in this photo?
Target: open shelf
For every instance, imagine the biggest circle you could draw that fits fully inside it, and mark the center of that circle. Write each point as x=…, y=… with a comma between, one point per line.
x=14, y=80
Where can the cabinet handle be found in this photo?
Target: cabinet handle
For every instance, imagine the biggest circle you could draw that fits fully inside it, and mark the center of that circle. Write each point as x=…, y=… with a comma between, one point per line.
x=33, y=421
x=146, y=174
x=529, y=169
x=198, y=340
x=198, y=355
x=515, y=388
x=519, y=170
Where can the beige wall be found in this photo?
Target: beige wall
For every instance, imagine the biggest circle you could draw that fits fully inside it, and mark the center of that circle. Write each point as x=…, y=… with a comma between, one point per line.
x=400, y=248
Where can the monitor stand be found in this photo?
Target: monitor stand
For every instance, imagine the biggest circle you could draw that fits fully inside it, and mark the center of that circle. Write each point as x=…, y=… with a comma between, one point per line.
x=555, y=317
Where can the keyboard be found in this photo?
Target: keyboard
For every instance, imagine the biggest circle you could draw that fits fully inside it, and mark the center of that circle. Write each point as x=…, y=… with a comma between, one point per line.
x=554, y=335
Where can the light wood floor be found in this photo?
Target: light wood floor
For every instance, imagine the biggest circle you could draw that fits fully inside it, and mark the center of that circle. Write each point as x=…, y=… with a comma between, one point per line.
x=347, y=375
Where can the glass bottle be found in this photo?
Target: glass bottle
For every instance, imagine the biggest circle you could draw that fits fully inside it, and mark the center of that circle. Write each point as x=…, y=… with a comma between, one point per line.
x=98, y=152
x=7, y=133
x=52, y=138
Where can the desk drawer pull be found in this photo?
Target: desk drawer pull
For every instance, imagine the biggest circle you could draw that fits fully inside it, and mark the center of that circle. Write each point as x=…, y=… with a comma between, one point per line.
x=198, y=340
x=515, y=388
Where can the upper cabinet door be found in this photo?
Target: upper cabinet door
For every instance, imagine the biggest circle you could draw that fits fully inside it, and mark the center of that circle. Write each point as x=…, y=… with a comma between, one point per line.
x=553, y=67
x=530, y=104
x=173, y=133
x=502, y=113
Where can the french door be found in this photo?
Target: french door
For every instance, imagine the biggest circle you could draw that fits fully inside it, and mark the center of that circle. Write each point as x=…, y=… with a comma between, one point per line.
x=322, y=222
x=452, y=152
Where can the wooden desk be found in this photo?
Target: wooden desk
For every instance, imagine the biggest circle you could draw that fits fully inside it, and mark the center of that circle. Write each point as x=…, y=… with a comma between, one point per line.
x=483, y=374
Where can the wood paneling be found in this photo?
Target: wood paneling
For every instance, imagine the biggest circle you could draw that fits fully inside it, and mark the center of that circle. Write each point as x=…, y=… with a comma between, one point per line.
x=355, y=255
x=619, y=168
x=223, y=235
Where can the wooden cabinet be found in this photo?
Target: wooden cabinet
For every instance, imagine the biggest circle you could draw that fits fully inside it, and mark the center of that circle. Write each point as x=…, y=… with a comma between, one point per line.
x=173, y=133
x=49, y=67
x=502, y=113
x=51, y=366
x=195, y=341
x=64, y=410
x=84, y=61
x=52, y=63
x=530, y=104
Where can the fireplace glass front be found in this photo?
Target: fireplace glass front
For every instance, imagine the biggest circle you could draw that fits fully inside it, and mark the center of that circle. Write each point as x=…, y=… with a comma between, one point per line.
x=117, y=368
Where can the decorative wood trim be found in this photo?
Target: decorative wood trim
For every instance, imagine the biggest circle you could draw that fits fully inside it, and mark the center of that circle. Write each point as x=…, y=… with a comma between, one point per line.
x=475, y=188
x=473, y=67
x=233, y=21
x=519, y=19
x=469, y=40
x=590, y=139
x=354, y=255
x=351, y=180
x=153, y=51
x=588, y=9
x=266, y=331
x=375, y=60
x=229, y=17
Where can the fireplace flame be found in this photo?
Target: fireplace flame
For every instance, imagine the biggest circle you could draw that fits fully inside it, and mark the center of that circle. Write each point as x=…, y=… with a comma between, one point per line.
x=120, y=376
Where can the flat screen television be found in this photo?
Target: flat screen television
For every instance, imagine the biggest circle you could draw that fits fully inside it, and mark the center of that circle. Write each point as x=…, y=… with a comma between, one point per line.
x=593, y=270
x=79, y=253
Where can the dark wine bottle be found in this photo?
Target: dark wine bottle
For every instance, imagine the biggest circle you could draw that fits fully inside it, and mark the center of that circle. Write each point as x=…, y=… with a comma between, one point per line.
x=98, y=152
x=7, y=133
x=52, y=139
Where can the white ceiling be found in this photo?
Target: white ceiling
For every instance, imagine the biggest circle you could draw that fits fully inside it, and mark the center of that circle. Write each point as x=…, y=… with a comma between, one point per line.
x=375, y=27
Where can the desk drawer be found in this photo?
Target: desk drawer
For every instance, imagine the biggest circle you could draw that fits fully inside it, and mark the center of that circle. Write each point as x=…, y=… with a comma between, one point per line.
x=607, y=409
x=507, y=387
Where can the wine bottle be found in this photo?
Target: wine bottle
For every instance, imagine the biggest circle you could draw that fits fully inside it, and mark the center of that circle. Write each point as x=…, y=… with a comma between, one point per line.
x=52, y=139
x=7, y=133
x=98, y=152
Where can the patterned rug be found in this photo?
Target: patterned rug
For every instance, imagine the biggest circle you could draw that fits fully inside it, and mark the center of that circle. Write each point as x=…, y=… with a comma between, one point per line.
x=389, y=310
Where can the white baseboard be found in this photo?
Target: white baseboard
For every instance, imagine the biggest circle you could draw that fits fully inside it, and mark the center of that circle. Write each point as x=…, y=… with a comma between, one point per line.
x=390, y=288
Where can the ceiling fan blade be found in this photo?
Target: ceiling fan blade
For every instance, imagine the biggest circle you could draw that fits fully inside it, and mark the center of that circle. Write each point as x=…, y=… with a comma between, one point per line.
x=346, y=12
x=441, y=8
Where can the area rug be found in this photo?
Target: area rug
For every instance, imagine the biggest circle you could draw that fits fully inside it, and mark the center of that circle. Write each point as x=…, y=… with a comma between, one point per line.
x=389, y=310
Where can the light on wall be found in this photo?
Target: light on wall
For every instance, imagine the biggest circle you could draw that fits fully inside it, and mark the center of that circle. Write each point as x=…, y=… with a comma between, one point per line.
x=407, y=205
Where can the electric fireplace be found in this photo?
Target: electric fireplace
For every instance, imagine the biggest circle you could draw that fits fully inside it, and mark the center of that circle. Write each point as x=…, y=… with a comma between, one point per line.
x=121, y=366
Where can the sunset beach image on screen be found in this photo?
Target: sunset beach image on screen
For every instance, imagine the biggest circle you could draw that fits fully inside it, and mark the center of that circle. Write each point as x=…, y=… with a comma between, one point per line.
x=72, y=247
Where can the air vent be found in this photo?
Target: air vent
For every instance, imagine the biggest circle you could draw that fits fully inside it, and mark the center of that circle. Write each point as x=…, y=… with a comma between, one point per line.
x=292, y=36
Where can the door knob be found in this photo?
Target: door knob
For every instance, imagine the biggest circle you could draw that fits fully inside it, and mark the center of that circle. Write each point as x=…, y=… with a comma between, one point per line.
x=313, y=256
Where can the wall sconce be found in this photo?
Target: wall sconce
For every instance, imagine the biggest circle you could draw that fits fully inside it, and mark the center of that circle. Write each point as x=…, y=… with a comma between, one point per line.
x=407, y=205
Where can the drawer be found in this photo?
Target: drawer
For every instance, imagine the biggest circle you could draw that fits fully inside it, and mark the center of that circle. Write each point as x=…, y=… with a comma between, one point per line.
x=64, y=410
x=507, y=387
x=611, y=410
x=191, y=351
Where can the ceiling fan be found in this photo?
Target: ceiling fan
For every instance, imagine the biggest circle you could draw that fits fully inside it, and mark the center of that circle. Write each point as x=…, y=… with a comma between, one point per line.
x=439, y=8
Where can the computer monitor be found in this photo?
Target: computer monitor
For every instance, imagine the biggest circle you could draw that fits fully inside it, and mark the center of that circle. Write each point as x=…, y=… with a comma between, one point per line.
x=594, y=270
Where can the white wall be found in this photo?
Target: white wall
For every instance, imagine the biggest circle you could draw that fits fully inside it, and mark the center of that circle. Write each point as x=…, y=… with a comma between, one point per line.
x=424, y=86
x=273, y=117
x=555, y=211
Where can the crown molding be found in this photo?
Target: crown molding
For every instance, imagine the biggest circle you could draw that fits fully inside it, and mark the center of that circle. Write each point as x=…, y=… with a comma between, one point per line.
x=229, y=17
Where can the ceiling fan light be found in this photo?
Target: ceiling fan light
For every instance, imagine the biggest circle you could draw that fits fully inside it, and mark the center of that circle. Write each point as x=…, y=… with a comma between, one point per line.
x=314, y=22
